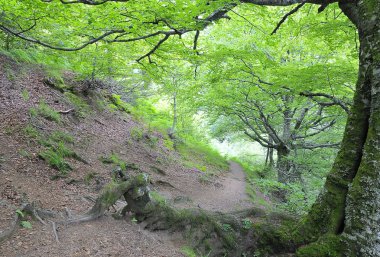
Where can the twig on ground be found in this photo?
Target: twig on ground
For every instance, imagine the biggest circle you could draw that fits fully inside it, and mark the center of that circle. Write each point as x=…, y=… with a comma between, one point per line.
x=67, y=111
x=55, y=230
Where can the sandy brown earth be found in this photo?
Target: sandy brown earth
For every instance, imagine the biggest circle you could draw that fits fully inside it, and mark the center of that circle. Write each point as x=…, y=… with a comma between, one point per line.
x=25, y=177
x=226, y=193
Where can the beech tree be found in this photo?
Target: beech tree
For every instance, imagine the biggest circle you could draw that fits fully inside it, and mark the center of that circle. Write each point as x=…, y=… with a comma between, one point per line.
x=346, y=214
x=288, y=124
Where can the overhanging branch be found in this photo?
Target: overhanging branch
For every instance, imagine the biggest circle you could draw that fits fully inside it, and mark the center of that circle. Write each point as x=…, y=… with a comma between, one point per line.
x=39, y=42
x=286, y=16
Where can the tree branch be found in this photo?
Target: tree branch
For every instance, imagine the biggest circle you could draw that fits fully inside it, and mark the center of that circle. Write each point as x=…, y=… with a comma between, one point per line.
x=315, y=146
x=335, y=101
x=196, y=37
x=154, y=49
x=286, y=16
x=317, y=131
x=257, y=140
x=36, y=41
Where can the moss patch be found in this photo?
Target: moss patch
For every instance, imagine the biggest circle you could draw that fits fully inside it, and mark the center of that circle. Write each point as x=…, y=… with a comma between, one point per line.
x=327, y=246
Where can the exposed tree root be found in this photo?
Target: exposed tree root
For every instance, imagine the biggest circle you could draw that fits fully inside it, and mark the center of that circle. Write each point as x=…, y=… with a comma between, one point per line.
x=30, y=209
x=221, y=234
x=134, y=190
x=213, y=233
x=9, y=232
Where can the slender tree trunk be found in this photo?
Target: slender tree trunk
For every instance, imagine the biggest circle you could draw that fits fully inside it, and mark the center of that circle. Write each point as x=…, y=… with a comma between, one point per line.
x=283, y=165
x=269, y=161
x=175, y=117
x=350, y=200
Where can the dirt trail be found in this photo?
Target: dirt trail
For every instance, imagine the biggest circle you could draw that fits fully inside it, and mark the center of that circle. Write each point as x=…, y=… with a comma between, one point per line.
x=225, y=194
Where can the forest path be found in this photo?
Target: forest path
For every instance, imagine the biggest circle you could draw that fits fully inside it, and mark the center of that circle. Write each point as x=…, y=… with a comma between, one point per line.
x=227, y=193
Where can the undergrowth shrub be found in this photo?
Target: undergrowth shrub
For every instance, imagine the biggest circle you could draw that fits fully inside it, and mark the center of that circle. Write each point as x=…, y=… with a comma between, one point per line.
x=25, y=95
x=56, y=151
x=298, y=197
x=119, y=104
x=46, y=111
x=55, y=160
x=136, y=133
x=81, y=106
x=31, y=132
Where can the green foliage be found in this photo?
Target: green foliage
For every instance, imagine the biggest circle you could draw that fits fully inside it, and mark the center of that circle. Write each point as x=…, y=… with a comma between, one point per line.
x=56, y=151
x=247, y=223
x=226, y=227
x=46, y=111
x=31, y=132
x=313, y=167
x=188, y=251
x=60, y=136
x=81, y=106
x=118, y=162
x=115, y=160
x=136, y=133
x=55, y=160
x=118, y=103
x=26, y=224
x=55, y=74
x=157, y=120
x=201, y=155
x=25, y=95
x=168, y=143
x=20, y=213
x=23, y=223
x=19, y=55
x=157, y=197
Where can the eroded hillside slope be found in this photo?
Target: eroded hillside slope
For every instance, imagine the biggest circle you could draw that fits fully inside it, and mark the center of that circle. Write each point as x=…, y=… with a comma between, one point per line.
x=60, y=142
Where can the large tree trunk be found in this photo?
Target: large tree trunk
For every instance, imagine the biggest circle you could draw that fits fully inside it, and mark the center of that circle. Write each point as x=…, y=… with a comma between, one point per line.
x=286, y=172
x=362, y=223
x=350, y=201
